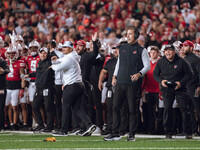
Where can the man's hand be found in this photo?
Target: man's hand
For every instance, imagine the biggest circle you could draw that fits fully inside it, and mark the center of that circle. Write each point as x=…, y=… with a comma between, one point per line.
x=163, y=83
x=26, y=76
x=100, y=86
x=198, y=91
x=94, y=37
x=54, y=58
x=63, y=87
x=114, y=81
x=135, y=77
x=178, y=85
x=1, y=70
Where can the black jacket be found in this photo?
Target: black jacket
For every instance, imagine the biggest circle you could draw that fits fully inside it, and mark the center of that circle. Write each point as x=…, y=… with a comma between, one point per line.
x=194, y=62
x=177, y=70
x=86, y=62
x=45, y=76
x=4, y=65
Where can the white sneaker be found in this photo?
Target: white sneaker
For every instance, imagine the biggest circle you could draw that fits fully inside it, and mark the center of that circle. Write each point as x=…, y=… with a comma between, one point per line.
x=90, y=130
x=97, y=131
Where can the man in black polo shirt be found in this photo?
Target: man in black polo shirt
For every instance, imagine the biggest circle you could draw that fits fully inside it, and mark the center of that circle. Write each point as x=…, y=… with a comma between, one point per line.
x=173, y=73
x=194, y=83
x=132, y=64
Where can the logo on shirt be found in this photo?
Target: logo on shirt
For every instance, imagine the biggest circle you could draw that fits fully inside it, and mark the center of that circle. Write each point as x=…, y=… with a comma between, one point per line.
x=175, y=66
x=15, y=65
x=134, y=52
x=123, y=51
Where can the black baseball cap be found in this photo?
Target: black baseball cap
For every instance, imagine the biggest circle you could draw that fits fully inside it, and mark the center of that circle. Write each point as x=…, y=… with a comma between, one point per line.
x=170, y=47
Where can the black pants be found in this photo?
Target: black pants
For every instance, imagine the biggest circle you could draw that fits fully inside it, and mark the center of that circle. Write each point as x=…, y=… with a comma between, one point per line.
x=168, y=98
x=45, y=96
x=152, y=101
x=58, y=104
x=194, y=105
x=76, y=122
x=129, y=93
x=96, y=97
x=72, y=96
x=2, y=105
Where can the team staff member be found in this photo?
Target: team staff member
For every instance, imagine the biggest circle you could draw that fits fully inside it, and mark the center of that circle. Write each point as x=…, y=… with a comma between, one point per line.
x=44, y=91
x=73, y=89
x=132, y=64
x=173, y=73
x=4, y=69
x=151, y=88
x=194, y=83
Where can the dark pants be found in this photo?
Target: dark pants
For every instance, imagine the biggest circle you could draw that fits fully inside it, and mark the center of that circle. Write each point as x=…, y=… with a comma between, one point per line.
x=2, y=105
x=96, y=97
x=45, y=96
x=182, y=100
x=72, y=96
x=194, y=105
x=76, y=122
x=129, y=93
x=58, y=104
x=152, y=101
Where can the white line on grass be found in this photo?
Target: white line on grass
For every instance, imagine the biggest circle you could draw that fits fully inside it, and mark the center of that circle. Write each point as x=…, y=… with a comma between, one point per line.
x=138, y=148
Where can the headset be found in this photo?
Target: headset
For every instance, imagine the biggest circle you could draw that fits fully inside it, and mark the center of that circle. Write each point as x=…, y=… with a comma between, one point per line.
x=136, y=31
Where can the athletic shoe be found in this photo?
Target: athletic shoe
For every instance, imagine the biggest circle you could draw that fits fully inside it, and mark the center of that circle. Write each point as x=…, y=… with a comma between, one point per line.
x=25, y=128
x=74, y=131
x=107, y=132
x=130, y=138
x=112, y=137
x=90, y=130
x=38, y=129
x=168, y=136
x=46, y=131
x=189, y=136
x=60, y=133
x=80, y=133
x=97, y=131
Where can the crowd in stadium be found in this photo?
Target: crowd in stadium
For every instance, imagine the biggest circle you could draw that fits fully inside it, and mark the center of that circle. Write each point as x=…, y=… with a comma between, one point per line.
x=64, y=67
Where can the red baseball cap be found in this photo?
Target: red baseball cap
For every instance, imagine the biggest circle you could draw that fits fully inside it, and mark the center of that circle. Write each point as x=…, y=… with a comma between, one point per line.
x=81, y=42
x=188, y=43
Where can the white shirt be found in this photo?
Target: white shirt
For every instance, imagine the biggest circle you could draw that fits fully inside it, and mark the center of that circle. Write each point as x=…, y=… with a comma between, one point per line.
x=69, y=64
x=58, y=74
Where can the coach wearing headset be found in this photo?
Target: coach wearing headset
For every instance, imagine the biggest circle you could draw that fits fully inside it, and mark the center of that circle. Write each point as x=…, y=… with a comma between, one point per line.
x=132, y=65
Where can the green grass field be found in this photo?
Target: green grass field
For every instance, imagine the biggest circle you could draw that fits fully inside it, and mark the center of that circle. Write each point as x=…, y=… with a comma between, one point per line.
x=9, y=140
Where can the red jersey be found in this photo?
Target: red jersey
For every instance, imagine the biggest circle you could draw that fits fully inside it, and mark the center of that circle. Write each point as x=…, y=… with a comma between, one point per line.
x=149, y=83
x=14, y=74
x=32, y=63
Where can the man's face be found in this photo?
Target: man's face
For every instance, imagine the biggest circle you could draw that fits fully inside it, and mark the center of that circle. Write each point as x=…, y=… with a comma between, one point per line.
x=33, y=49
x=153, y=54
x=186, y=49
x=80, y=49
x=11, y=55
x=66, y=50
x=130, y=36
x=43, y=55
x=169, y=53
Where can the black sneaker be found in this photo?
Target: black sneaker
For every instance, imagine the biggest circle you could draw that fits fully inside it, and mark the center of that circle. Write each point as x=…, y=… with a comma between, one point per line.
x=75, y=131
x=46, y=131
x=107, y=132
x=14, y=127
x=188, y=136
x=112, y=137
x=90, y=130
x=130, y=138
x=25, y=128
x=60, y=133
x=80, y=132
x=38, y=129
x=168, y=136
